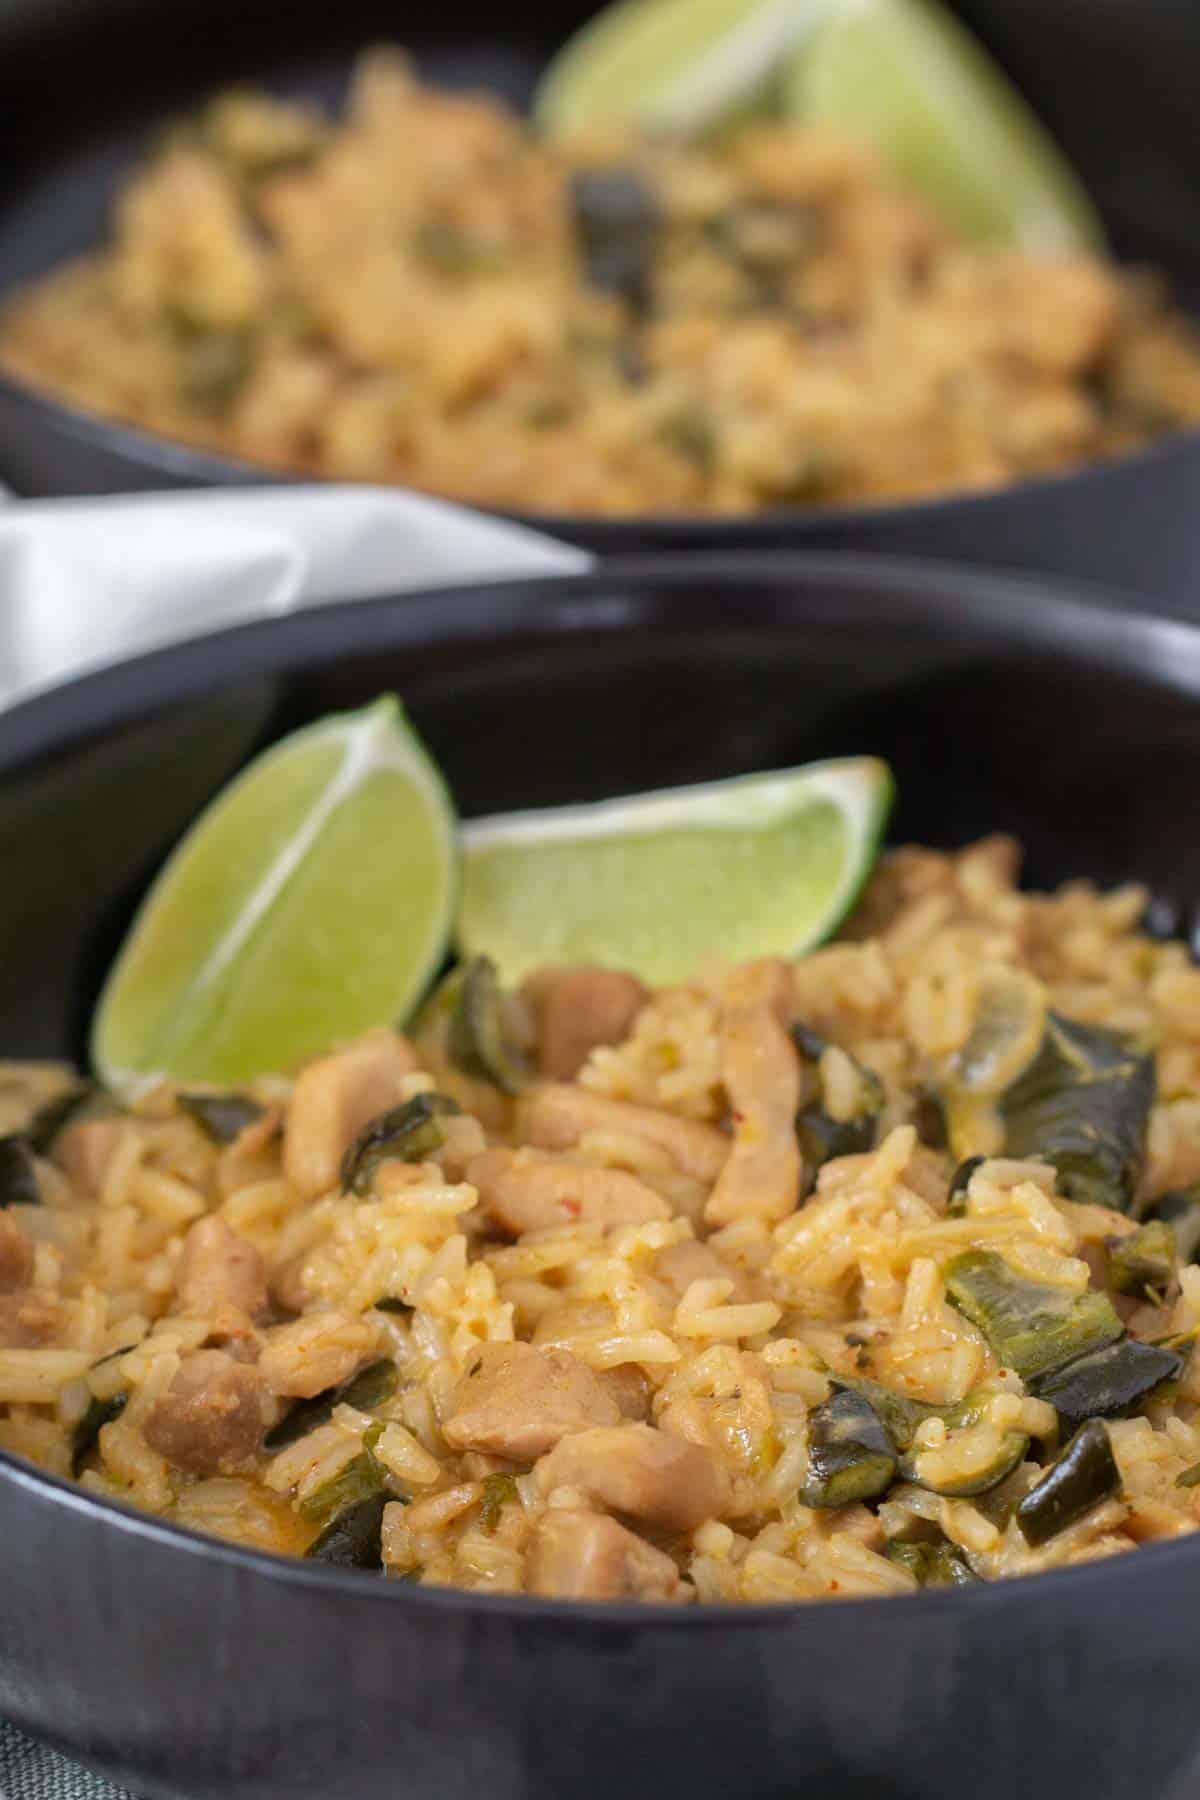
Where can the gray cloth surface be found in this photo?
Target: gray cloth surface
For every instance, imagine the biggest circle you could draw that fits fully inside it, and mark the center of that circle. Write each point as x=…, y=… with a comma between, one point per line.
x=29, y=1771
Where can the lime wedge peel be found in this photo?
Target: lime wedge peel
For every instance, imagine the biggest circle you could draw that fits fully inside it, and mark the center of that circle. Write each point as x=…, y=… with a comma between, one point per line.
x=903, y=75
x=661, y=882
x=675, y=64
x=909, y=79
x=312, y=899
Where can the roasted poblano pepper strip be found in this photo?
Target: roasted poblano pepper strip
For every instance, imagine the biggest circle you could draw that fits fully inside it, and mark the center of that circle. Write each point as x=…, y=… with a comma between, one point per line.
x=354, y=1539
x=87, y=1433
x=1144, y=1262
x=1108, y=1381
x=822, y=1137
x=364, y=1391
x=1180, y=1209
x=1085, y=1474
x=850, y=1455
x=1084, y=1106
x=498, y=1490
x=358, y=1480
x=960, y=1181
x=221, y=1117
x=934, y=1562
x=1031, y=1327
x=407, y=1133
x=477, y=1041
x=18, y=1173
x=1009, y=1454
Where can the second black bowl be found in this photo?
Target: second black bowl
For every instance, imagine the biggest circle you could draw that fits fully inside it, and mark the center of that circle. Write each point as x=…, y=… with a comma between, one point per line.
x=1116, y=84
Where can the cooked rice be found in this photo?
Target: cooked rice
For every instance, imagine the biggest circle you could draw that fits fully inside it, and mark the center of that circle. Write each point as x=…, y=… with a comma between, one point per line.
x=723, y=1340
x=402, y=297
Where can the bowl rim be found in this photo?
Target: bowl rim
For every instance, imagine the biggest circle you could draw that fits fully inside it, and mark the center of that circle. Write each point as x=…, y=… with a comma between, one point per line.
x=143, y=450
x=1029, y=611
x=1085, y=621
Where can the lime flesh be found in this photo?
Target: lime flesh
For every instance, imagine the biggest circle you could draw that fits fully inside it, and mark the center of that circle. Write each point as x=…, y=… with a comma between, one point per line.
x=673, y=64
x=663, y=883
x=312, y=900
x=907, y=78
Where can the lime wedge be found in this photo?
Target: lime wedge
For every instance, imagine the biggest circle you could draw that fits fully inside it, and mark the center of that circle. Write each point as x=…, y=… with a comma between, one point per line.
x=313, y=899
x=905, y=76
x=662, y=883
x=676, y=64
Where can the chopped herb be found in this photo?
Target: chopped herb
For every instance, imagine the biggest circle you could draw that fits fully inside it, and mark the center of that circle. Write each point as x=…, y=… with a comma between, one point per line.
x=364, y=1391
x=215, y=363
x=498, y=1491
x=354, y=1539
x=691, y=434
x=1085, y=1474
x=1189, y=1478
x=392, y=1303
x=453, y=251
x=407, y=1133
x=87, y=1433
x=221, y=1117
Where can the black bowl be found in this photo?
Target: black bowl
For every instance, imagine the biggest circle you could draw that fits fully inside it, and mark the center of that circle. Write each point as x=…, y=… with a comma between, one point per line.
x=188, y=1668
x=1115, y=83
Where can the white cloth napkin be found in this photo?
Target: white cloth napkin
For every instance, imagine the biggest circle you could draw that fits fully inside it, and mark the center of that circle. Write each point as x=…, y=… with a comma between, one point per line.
x=88, y=582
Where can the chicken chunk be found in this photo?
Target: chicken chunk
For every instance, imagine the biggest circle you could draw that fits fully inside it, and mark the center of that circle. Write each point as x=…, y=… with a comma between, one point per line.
x=555, y=1116
x=219, y=1271
x=210, y=1420
x=331, y=1102
x=16, y=1256
x=586, y=1556
x=637, y=1470
x=575, y=1010
x=27, y=1319
x=761, y=1073
x=84, y=1151
x=518, y=1402
x=521, y=1191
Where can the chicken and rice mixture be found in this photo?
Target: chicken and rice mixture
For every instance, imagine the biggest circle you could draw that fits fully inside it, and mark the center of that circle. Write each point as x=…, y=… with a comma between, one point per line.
x=840, y=1276
x=426, y=293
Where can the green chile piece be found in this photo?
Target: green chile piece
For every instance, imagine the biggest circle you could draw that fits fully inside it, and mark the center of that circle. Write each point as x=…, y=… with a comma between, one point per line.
x=1032, y=1327
x=1084, y=1106
x=851, y=1456
x=1108, y=1381
x=407, y=1133
x=1085, y=1474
